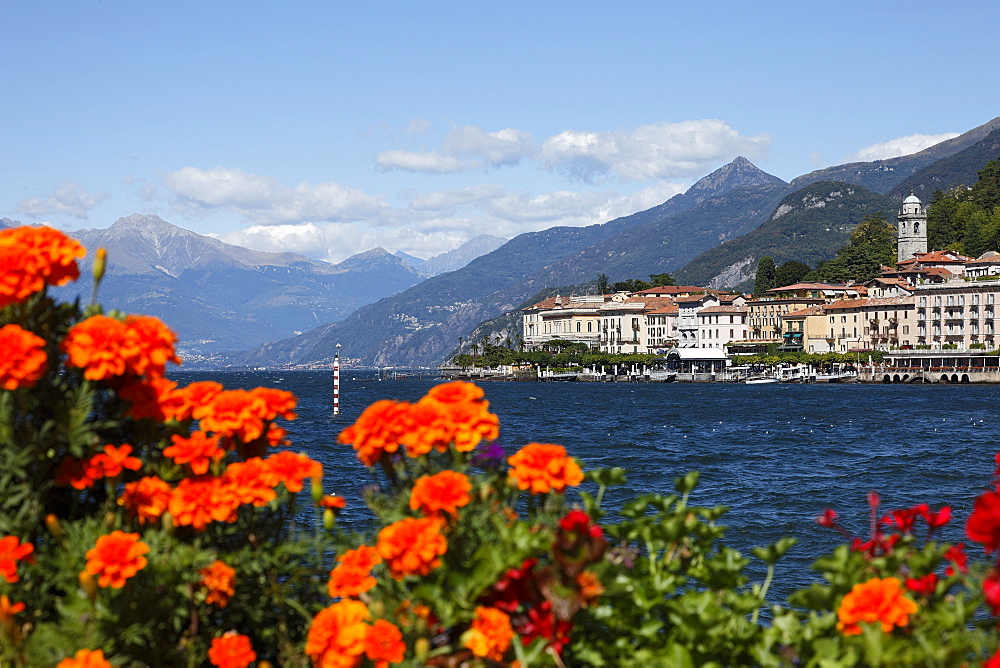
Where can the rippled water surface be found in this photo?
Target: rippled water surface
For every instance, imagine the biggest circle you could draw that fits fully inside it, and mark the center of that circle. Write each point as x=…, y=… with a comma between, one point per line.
x=776, y=455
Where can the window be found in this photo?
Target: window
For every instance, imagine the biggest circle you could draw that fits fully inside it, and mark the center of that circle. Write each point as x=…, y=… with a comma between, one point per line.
x=975, y=299
x=937, y=300
x=951, y=300
x=961, y=300
x=923, y=301
x=590, y=326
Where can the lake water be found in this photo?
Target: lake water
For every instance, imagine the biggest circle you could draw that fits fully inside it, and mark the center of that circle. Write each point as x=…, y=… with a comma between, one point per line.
x=776, y=455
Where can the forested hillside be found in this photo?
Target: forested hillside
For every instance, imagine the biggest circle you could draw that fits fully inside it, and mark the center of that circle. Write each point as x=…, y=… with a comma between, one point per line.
x=808, y=226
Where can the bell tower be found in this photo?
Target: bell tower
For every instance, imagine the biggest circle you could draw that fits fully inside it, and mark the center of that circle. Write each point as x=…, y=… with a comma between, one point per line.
x=911, y=235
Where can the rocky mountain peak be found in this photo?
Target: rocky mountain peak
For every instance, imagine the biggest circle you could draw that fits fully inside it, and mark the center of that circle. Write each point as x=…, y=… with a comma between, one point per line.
x=740, y=173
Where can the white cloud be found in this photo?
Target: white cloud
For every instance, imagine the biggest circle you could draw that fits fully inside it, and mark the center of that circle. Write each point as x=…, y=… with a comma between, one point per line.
x=432, y=162
x=67, y=198
x=649, y=152
x=264, y=200
x=464, y=149
x=335, y=242
x=494, y=149
x=897, y=147
x=662, y=150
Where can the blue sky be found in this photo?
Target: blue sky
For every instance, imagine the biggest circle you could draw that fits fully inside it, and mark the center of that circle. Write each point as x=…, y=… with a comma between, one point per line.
x=330, y=128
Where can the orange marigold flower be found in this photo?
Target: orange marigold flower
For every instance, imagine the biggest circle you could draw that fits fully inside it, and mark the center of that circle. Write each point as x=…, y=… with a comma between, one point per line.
x=197, y=501
x=231, y=650
x=235, y=413
x=53, y=254
x=543, y=467
x=333, y=501
x=376, y=431
x=490, y=634
x=412, y=546
x=77, y=473
x=85, y=658
x=590, y=586
x=292, y=468
x=146, y=499
x=276, y=402
x=352, y=575
x=99, y=346
x=31, y=257
x=151, y=344
x=197, y=451
x=456, y=392
x=116, y=557
x=423, y=427
x=114, y=460
x=384, y=643
x=443, y=492
x=24, y=359
x=465, y=410
x=251, y=482
x=218, y=579
x=12, y=550
x=337, y=634
x=195, y=399
x=877, y=600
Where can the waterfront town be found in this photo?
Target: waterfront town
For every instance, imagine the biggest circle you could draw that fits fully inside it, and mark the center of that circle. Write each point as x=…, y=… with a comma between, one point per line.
x=932, y=310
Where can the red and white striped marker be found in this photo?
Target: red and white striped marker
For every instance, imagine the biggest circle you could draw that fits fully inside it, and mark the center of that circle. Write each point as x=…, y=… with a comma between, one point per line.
x=336, y=382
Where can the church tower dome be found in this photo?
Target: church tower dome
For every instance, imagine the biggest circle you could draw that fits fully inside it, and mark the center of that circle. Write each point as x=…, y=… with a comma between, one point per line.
x=911, y=235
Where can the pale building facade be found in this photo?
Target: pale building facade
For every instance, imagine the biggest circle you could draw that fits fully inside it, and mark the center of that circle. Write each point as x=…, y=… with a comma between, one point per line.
x=575, y=319
x=625, y=325
x=718, y=326
x=957, y=314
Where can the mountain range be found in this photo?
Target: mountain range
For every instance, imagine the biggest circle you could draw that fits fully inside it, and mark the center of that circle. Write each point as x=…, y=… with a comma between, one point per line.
x=815, y=212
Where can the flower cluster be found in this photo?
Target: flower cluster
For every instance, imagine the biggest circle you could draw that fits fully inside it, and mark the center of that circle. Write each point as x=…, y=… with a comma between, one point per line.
x=33, y=257
x=451, y=415
x=340, y=635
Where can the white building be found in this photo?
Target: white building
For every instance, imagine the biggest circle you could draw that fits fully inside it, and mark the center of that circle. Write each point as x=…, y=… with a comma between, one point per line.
x=722, y=324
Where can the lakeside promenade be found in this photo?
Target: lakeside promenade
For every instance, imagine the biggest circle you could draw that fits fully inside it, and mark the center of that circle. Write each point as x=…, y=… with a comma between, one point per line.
x=904, y=366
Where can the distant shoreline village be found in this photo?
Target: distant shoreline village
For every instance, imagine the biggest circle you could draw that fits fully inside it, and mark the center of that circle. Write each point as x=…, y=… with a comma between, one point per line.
x=933, y=316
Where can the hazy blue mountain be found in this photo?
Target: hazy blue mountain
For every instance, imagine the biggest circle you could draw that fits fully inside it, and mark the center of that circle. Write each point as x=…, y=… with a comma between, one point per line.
x=414, y=262
x=421, y=325
x=218, y=296
x=463, y=255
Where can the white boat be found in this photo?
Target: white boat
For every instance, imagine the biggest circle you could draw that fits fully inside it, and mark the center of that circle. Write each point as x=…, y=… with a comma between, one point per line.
x=760, y=380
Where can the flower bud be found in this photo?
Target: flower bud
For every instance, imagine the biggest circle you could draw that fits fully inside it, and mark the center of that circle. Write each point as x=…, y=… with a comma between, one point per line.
x=316, y=487
x=54, y=527
x=88, y=584
x=329, y=518
x=167, y=523
x=100, y=263
x=421, y=647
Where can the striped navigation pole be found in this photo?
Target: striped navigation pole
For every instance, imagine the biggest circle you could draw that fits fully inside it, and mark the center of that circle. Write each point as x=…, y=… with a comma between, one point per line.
x=336, y=382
